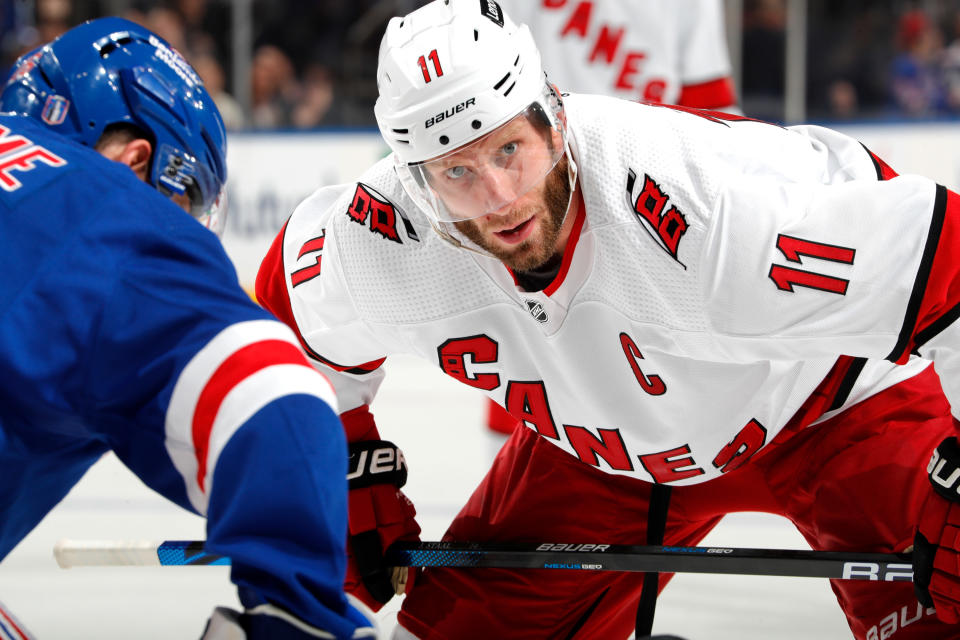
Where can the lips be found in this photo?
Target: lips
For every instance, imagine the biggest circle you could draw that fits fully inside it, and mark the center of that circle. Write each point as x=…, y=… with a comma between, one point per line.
x=516, y=234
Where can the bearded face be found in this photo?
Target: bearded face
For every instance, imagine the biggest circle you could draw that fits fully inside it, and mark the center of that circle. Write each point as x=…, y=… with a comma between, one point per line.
x=525, y=235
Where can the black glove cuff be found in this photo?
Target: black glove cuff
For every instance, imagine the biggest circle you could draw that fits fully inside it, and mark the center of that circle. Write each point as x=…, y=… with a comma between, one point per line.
x=369, y=558
x=375, y=462
x=944, y=470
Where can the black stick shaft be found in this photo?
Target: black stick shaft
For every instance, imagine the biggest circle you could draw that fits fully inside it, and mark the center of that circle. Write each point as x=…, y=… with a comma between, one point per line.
x=841, y=565
x=593, y=557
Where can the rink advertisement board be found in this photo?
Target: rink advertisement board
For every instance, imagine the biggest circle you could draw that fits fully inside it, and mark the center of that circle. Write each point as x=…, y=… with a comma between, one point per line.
x=930, y=149
x=269, y=174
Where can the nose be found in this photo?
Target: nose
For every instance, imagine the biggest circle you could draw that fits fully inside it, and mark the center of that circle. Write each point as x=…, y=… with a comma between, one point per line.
x=500, y=189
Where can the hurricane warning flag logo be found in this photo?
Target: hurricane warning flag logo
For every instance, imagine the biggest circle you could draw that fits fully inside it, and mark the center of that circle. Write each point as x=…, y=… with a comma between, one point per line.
x=657, y=213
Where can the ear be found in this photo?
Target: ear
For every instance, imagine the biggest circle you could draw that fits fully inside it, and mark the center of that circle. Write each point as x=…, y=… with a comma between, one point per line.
x=556, y=139
x=133, y=153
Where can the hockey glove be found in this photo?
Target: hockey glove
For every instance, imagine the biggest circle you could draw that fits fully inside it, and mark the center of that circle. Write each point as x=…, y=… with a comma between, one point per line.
x=267, y=622
x=380, y=514
x=936, y=545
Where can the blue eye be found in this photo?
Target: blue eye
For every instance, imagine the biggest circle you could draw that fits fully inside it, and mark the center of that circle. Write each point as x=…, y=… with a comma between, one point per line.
x=455, y=172
x=510, y=148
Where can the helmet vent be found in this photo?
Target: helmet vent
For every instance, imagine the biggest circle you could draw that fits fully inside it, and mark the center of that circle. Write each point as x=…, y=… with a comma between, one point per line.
x=476, y=36
x=43, y=74
x=401, y=130
x=504, y=79
x=112, y=45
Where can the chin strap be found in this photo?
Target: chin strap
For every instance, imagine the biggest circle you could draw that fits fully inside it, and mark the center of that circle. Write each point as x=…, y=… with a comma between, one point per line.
x=572, y=168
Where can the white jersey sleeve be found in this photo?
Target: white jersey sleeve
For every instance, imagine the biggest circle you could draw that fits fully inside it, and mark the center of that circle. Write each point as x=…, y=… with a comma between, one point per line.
x=702, y=41
x=815, y=269
x=306, y=281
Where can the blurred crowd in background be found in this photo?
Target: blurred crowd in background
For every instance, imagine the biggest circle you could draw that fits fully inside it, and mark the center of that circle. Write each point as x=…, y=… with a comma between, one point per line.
x=312, y=63
x=865, y=59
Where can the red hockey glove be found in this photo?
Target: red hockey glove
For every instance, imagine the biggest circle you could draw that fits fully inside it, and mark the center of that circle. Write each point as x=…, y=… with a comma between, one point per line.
x=936, y=545
x=380, y=514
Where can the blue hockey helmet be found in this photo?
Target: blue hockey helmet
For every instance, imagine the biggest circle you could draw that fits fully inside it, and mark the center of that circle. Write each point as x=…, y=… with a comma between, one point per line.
x=112, y=71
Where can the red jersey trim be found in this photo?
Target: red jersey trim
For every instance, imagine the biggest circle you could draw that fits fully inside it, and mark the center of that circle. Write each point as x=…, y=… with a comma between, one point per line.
x=829, y=395
x=713, y=94
x=571, y=247
x=567, y=252
x=935, y=298
x=884, y=172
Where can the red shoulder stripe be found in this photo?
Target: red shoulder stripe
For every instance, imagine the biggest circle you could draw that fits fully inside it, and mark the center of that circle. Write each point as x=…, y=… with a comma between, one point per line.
x=238, y=367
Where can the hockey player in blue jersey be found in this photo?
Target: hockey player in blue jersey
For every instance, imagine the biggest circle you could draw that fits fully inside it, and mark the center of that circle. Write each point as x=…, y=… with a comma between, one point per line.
x=123, y=328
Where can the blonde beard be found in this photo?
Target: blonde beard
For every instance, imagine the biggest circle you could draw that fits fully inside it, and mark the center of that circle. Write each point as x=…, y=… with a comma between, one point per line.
x=553, y=197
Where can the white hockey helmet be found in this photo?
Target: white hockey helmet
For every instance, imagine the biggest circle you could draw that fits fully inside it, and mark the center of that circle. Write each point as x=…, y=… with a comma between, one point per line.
x=451, y=75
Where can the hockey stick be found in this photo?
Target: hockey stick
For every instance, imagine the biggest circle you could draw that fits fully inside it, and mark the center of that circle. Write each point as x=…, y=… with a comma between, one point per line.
x=844, y=565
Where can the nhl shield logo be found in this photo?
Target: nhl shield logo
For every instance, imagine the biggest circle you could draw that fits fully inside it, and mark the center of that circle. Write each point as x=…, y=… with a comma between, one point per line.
x=536, y=310
x=55, y=110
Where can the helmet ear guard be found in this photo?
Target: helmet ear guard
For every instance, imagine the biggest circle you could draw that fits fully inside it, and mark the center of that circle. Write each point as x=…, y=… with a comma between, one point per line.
x=111, y=71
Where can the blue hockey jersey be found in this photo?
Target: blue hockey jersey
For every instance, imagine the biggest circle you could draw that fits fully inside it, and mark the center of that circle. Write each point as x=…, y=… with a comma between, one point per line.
x=123, y=327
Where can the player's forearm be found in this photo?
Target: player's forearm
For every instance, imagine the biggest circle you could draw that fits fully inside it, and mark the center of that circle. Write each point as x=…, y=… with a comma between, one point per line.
x=278, y=497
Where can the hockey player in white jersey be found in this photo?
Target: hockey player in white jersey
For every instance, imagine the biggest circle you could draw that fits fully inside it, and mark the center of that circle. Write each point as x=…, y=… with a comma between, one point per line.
x=123, y=327
x=692, y=314
x=663, y=51
x=669, y=51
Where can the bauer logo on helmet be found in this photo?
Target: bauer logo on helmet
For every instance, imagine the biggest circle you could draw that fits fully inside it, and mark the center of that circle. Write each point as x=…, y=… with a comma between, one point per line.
x=447, y=113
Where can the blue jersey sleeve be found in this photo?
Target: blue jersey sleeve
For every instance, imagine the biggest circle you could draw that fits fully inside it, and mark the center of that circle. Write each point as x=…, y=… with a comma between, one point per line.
x=230, y=421
x=122, y=325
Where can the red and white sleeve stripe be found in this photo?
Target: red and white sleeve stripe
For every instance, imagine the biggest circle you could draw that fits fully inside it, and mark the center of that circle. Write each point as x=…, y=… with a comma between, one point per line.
x=10, y=627
x=242, y=369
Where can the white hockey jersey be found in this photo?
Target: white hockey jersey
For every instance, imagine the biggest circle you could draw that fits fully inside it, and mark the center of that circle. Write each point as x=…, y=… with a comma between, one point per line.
x=718, y=271
x=671, y=51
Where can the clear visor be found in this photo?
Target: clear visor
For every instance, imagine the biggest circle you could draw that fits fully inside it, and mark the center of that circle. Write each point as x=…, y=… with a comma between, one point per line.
x=194, y=187
x=490, y=173
x=212, y=216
